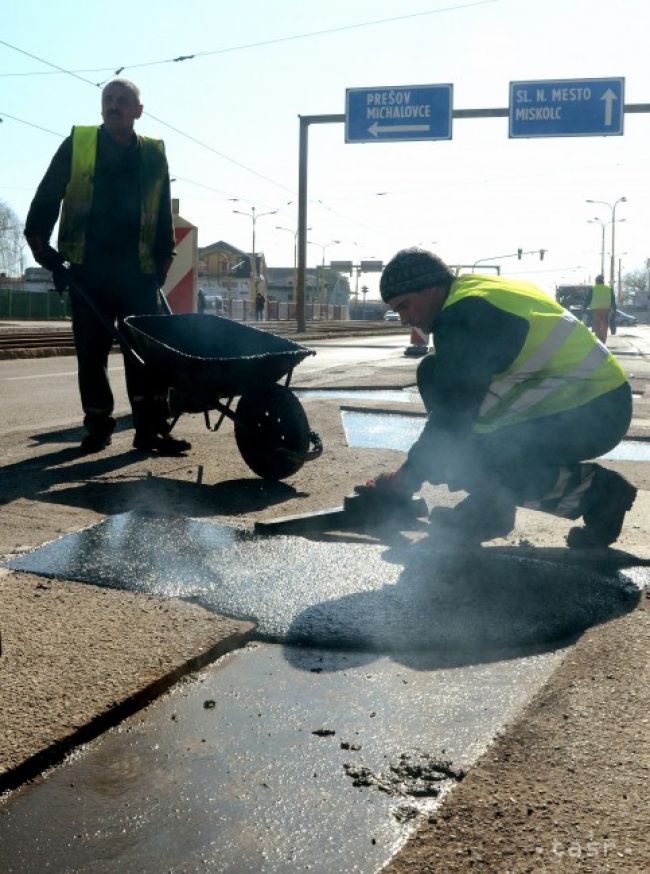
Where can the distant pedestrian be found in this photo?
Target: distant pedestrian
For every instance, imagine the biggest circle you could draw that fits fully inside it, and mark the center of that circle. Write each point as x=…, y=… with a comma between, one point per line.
x=260, y=302
x=601, y=304
x=202, y=302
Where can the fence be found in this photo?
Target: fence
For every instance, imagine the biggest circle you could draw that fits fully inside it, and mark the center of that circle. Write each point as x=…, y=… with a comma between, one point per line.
x=49, y=305
x=278, y=311
x=34, y=305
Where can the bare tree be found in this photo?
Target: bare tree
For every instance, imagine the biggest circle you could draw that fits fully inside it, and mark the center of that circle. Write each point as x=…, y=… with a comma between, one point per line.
x=635, y=280
x=12, y=242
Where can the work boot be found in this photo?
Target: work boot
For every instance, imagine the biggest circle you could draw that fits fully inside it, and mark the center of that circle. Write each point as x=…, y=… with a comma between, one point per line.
x=99, y=427
x=95, y=442
x=154, y=443
x=475, y=520
x=610, y=496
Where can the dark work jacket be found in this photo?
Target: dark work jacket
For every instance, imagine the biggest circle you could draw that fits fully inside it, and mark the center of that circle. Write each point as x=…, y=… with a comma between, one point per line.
x=474, y=340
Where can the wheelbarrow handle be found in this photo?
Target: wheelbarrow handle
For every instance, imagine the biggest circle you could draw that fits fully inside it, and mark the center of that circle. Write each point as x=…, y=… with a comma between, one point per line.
x=164, y=303
x=106, y=322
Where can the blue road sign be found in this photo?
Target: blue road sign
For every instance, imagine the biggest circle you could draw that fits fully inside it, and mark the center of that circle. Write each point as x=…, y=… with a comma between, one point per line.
x=398, y=113
x=567, y=108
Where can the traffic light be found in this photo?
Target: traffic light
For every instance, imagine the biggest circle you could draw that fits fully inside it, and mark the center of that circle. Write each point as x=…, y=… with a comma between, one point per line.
x=520, y=253
x=542, y=252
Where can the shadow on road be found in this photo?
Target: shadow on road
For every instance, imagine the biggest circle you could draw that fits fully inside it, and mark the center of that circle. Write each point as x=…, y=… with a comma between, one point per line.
x=479, y=605
x=68, y=477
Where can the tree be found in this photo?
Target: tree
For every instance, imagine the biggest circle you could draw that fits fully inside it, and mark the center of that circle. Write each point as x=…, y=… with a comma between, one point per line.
x=634, y=281
x=12, y=242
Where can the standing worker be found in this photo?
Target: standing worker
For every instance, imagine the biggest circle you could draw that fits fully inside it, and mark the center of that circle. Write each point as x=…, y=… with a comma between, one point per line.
x=116, y=234
x=518, y=394
x=601, y=303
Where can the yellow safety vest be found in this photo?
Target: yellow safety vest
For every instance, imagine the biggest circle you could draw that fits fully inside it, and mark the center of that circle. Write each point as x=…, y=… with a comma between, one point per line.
x=78, y=197
x=560, y=367
x=601, y=297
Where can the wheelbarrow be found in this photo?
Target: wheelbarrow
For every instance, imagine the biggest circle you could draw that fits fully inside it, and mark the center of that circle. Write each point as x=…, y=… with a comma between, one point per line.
x=207, y=361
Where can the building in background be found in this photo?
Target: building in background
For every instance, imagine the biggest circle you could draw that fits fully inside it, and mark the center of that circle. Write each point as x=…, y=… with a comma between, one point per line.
x=226, y=271
x=322, y=286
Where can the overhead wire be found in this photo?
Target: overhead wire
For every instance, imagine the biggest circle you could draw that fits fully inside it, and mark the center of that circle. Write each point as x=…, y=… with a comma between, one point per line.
x=259, y=44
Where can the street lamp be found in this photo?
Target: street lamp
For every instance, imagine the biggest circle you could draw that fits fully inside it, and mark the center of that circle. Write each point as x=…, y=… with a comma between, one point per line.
x=295, y=257
x=612, y=268
x=603, y=225
x=323, y=248
x=254, y=216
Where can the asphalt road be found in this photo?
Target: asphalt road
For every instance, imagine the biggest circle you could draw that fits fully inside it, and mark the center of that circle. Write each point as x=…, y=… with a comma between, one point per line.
x=42, y=393
x=153, y=789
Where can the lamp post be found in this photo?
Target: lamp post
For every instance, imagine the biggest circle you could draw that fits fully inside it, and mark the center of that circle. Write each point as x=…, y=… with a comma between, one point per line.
x=295, y=255
x=323, y=248
x=612, y=268
x=254, y=216
x=603, y=225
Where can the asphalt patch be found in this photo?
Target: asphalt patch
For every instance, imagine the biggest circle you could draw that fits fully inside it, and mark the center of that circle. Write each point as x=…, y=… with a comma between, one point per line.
x=466, y=607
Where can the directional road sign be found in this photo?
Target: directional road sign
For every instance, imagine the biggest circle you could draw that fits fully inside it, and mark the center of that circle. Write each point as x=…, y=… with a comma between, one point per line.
x=567, y=108
x=398, y=113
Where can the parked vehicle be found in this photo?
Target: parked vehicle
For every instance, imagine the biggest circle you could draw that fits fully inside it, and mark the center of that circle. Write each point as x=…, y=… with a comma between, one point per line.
x=391, y=316
x=625, y=319
x=214, y=303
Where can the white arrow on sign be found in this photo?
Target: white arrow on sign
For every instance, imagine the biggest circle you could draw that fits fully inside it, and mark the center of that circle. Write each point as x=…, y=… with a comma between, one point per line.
x=609, y=97
x=375, y=128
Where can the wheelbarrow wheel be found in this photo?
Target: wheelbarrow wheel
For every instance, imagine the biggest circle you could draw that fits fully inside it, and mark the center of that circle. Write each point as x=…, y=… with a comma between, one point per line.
x=272, y=432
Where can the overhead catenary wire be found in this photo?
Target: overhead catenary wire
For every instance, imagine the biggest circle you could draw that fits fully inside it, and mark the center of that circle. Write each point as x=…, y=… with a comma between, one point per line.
x=254, y=45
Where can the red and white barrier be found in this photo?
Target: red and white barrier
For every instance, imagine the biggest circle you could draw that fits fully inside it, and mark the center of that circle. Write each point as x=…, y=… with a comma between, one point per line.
x=180, y=287
x=419, y=343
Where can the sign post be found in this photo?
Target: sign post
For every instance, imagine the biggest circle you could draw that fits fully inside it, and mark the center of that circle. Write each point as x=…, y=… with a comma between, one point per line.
x=398, y=113
x=567, y=108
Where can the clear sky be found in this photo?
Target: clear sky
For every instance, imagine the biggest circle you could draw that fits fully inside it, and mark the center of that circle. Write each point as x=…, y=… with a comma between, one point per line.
x=229, y=118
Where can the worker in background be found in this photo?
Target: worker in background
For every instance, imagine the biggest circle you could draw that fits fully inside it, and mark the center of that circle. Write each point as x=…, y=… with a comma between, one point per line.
x=116, y=234
x=518, y=394
x=600, y=302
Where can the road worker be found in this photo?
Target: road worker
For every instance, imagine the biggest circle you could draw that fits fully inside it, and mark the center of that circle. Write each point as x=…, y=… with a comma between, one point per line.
x=600, y=303
x=116, y=234
x=519, y=393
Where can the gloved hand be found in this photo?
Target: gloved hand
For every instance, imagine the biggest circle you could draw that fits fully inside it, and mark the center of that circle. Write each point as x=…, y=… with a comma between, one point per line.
x=388, y=486
x=61, y=277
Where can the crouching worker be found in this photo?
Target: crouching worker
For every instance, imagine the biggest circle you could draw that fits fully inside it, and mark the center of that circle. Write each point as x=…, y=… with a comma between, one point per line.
x=518, y=394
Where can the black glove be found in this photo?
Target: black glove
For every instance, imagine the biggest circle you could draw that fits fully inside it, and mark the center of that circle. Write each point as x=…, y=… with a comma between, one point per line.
x=386, y=486
x=61, y=277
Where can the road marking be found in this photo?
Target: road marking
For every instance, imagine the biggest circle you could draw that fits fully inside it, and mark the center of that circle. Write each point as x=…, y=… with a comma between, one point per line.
x=49, y=375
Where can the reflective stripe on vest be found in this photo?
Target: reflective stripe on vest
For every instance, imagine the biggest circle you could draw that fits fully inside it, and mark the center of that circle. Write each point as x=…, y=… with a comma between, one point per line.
x=560, y=367
x=601, y=298
x=78, y=197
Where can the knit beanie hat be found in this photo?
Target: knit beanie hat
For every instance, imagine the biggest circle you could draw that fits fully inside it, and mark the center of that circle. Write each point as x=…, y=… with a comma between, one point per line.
x=413, y=270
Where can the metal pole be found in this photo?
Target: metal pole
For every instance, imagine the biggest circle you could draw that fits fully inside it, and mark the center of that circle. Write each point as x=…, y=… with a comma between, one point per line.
x=612, y=268
x=253, y=265
x=302, y=224
x=602, y=250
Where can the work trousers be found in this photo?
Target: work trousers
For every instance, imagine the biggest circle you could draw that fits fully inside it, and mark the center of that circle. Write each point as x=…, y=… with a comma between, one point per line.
x=540, y=464
x=115, y=290
x=600, y=324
